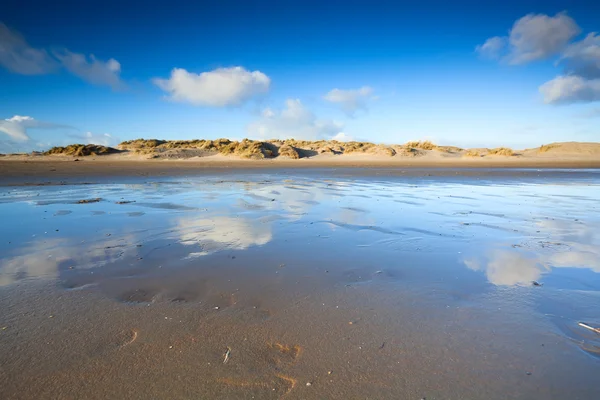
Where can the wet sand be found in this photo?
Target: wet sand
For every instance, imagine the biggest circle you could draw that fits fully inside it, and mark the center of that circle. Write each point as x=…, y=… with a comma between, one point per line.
x=46, y=170
x=308, y=284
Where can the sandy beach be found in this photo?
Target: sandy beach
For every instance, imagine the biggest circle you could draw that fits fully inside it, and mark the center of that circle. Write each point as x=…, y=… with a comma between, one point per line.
x=299, y=200
x=170, y=280
x=37, y=168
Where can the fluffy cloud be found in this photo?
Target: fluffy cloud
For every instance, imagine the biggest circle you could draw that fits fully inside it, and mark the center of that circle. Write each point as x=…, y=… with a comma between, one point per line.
x=583, y=58
x=294, y=121
x=103, y=139
x=581, y=82
x=343, y=137
x=16, y=127
x=537, y=37
x=532, y=37
x=91, y=69
x=18, y=56
x=218, y=88
x=493, y=47
x=570, y=89
x=350, y=100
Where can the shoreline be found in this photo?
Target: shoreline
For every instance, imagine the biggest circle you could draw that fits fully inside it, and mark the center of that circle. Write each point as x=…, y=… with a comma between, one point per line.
x=111, y=166
x=105, y=170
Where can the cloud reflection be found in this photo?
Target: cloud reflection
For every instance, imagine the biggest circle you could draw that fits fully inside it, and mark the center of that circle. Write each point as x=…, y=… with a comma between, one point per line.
x=569, y=244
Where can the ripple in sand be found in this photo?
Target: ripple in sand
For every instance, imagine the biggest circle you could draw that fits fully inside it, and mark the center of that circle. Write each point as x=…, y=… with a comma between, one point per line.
x=167, y=206
x=62, y=212
x=249, y=206
x=412, y=203
x=138, y=296
x=354, y=227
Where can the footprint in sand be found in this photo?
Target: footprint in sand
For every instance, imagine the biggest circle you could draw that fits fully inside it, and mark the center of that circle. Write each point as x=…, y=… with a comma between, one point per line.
x=114, y=342
x=264, y=380
x=270, y=387
x=282, y=354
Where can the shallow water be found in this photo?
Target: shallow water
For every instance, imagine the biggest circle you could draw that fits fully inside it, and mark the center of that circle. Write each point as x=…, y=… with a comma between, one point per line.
x=363, y=285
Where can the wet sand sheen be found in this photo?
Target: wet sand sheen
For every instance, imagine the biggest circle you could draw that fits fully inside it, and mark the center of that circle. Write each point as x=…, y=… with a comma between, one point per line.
x=253, y=288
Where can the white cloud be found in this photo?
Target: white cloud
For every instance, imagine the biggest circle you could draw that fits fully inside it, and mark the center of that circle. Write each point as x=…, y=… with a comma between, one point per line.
x=583, y=58
x=104, y=139
x=343, y=137
x=533, y=37
x=92, y=70
x=351, y=100
x=17, y=126
x=293, y=122
x=493, y=47
x=18, y=56
x=218, y=88
x=570, y=89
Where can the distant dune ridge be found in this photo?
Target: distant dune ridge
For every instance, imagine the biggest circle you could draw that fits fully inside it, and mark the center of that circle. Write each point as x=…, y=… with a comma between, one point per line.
x=298, y=149
x=323, y=152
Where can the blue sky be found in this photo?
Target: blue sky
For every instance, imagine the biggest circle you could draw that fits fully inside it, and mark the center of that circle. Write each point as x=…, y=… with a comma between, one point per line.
x=463, y=73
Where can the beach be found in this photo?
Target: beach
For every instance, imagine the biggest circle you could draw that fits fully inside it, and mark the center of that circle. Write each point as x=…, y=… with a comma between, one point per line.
x=181, y=281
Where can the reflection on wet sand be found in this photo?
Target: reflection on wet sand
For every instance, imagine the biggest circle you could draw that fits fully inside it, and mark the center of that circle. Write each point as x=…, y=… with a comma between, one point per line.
x=561, y=244
x=355, y=285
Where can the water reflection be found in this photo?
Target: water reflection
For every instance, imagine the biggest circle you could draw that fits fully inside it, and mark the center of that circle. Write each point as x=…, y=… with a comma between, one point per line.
x=504, y=267
x=513, y=233
x=219, y=233
x=560, y=244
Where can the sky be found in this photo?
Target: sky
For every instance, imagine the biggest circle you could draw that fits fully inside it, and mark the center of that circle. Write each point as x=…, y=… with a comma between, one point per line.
x=466, y=73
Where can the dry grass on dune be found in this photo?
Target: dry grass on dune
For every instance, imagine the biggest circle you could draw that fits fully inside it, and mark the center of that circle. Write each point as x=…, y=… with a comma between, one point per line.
x=289, y=152
x=80, y=150
x=246, y=148
x=296, y=149
x=547, y=147
x=501, y=151
x=423, y=145
x=473, y=153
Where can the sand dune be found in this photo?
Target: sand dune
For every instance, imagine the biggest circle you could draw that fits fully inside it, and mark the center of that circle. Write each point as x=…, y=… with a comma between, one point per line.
x=143, y=155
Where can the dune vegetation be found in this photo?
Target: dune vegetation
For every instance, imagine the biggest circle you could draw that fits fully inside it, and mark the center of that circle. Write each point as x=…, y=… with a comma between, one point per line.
x=501, y=151
x=80, y=150
x=295, y=149
x=473, y=153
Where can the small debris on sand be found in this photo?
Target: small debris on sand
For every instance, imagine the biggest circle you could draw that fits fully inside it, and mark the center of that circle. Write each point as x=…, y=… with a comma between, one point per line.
x=125, y=202
x=86, y=201
x=227, y=354
x=535, y=283
x=591, y=328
